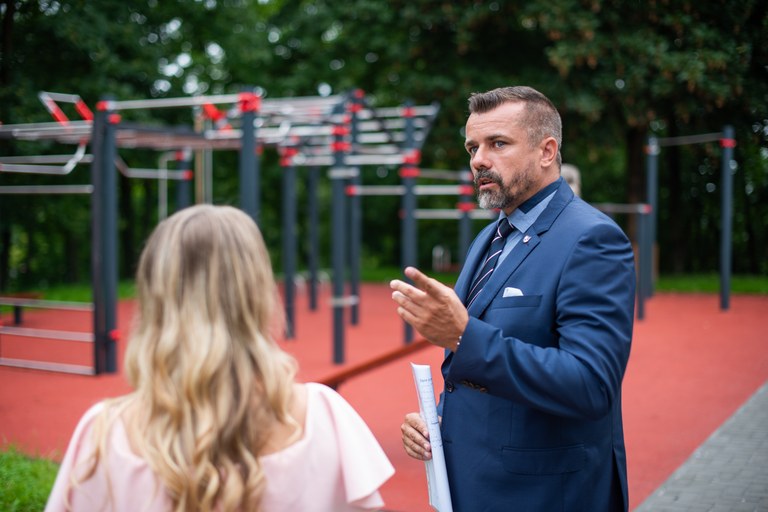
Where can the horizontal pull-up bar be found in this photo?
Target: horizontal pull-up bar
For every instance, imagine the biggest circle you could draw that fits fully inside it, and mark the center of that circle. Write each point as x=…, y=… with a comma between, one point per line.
x=48, y=304
x=415, y=111
x=50, y=367
x=419, y=190
x=34, y=169
x=639, y=208
x=42, y=159
x=268, y=106
x=727, y=141
x=48, y=334
x=47, y=189
x=69, y=163
x=453, y=214
x=689, y=139
x=350, y=160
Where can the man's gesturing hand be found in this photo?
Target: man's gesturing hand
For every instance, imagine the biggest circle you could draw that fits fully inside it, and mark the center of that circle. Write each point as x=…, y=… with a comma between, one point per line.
x=431, y=308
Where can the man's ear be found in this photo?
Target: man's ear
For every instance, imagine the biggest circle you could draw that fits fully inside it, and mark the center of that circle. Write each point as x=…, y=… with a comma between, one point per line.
x=549, y=151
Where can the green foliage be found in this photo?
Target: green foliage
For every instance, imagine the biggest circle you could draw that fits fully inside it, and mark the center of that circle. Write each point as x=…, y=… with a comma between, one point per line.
x=618, y=71
x=25, y=483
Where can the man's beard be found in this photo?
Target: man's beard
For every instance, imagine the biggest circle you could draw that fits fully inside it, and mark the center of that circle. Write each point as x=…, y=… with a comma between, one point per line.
x=490, y=199
x=508, y=194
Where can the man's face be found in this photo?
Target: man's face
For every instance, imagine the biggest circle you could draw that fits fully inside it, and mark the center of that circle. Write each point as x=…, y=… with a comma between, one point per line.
x=504, y=164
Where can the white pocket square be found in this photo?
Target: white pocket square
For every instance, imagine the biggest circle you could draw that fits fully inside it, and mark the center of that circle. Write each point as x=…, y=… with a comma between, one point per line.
x=512, y=292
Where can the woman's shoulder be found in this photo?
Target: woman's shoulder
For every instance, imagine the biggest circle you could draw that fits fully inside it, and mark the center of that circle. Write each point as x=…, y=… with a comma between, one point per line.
x=318, y=389
x=328, y=409
x=100, y=411
x=108, y=423
x=318, y=393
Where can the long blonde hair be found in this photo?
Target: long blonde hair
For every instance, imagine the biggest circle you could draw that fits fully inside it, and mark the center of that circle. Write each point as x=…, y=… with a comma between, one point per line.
x=208, y=376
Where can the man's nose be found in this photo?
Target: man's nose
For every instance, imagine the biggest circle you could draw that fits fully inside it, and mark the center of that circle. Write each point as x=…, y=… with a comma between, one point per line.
x=479, y=160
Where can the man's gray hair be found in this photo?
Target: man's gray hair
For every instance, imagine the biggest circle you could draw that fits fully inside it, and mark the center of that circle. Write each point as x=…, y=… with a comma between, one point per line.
x=541, y=117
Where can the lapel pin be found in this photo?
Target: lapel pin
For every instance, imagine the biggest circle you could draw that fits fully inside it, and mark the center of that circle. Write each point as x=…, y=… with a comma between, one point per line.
x=526, y=239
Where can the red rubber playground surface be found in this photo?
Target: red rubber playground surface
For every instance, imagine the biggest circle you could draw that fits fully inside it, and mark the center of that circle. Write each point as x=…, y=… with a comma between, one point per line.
x=692, y=366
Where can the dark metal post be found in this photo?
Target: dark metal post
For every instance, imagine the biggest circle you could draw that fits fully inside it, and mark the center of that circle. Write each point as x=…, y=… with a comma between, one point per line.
x=728, y=142
x=250, y=192
x=644, y=264
x=184, y=186
x=313, y=216
x=408, y=173
x=97, y=231
x=104, y=250
x=338, y=174
x=356, y=215
x=289, y=238
x=652, y=191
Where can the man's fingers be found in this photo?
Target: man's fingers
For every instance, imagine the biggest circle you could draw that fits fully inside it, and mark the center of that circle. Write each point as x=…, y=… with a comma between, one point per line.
x=406, y=304
x=404, y=288
x=407, y=316
x=419, y=278
x=398, y=285
x=399, y=297
x=423, y=281
x=415, y=443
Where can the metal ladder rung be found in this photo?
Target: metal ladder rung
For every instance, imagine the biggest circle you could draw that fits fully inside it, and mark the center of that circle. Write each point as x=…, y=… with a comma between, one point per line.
x=51, y=367
x=86, y=337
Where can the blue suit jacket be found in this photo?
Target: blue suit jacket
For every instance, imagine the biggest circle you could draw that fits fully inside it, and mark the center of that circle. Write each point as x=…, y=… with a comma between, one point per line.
x=531, y=408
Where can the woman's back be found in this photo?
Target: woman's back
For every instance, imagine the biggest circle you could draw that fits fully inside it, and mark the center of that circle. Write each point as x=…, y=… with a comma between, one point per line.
x=336, y=465
x=213, y=391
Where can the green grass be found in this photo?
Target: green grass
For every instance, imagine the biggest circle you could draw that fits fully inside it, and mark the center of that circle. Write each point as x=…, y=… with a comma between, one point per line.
x=386, y=274
x=683, y=283
x=25, y=482
x=710, y=283
x=83, y=292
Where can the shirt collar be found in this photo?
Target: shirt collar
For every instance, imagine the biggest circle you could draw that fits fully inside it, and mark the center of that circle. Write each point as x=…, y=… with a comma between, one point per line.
x=526, y=214
x=538, y=196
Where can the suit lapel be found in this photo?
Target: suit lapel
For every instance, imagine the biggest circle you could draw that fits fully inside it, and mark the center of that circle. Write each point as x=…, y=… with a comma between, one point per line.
x=501, y=274
x=475, y=257
x=530, y=240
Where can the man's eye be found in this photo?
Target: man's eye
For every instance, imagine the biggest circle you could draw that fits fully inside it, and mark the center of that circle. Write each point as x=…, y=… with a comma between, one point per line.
x=472, y=150
x=499, y=143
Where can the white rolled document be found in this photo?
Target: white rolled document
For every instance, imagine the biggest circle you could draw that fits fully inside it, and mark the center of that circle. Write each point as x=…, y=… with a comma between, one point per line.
x=437, y=476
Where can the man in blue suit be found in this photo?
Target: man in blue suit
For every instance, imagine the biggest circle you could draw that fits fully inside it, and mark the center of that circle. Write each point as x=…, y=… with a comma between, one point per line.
x=537, y=341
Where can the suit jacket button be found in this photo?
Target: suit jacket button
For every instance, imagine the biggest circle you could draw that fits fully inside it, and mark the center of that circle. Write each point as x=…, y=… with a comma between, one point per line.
x=449, y=386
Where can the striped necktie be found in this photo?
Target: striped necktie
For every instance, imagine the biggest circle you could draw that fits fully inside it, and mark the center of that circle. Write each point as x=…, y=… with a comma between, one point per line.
x=503, y=228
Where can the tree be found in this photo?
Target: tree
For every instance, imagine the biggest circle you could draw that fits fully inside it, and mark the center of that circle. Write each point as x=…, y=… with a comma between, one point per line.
x=618, y=71
x=91, y=48
x=670, y=67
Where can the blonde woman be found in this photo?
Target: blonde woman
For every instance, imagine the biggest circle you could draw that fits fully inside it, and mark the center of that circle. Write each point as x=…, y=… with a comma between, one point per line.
x=216, y=420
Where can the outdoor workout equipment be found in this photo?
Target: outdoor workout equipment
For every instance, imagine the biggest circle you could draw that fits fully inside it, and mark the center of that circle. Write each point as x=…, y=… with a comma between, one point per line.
x=727, y=142
x=21, y=301
x=340, y=131
x=466, y=211
x=358, y=135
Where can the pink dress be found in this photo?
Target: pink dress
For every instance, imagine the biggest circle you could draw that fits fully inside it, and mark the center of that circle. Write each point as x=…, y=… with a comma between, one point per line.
x=336, y=466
